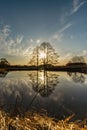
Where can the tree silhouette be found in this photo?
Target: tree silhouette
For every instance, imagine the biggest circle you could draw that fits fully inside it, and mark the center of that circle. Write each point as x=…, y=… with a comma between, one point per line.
x=34, y=56
x=44, y=54
x=4, y=62
x=77, y=59
x=51, y=55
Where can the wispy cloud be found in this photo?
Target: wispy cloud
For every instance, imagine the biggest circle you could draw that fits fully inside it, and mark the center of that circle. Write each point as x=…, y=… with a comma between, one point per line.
x=9, y=45
x=19, y=39
x=58, y=37
x=84, y=52
x=15, y=46
x=60, y=33
x=6, y=30
x=64, y=17
x=31, y=40
x=66, y=58
x=74, y=8
x=38, y=41
x=65, y=27
x=77, y=5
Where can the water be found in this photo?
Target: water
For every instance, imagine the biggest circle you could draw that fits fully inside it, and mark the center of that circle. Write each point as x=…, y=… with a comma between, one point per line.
x=58, y=94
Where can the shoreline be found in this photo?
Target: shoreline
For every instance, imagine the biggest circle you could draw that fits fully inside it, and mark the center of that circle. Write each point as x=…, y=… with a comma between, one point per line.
x=81, y=69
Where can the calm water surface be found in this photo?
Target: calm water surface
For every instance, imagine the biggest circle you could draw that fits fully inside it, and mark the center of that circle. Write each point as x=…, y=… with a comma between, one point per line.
x=57, y=93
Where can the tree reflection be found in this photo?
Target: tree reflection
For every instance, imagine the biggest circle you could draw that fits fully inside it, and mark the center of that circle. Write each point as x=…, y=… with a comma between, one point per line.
x=3, y=74
x=44, y=82
x=77, y=77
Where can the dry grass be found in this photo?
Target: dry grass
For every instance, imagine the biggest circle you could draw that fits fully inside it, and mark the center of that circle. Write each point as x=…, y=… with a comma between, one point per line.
x=37, y=122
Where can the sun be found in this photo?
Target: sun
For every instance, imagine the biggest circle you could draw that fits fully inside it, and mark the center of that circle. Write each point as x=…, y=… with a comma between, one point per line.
x=42, y=55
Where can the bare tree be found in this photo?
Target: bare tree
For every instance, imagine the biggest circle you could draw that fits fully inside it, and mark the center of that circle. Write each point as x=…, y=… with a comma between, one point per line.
x=34, y=57
x=51, y=55
x=43, y=55
x=77, y=59
x=4, y=62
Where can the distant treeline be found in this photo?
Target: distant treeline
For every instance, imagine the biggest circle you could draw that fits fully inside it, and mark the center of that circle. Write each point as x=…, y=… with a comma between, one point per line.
x=76, y=64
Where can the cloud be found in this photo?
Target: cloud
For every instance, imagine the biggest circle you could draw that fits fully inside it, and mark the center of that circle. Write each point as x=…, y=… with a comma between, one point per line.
x=14, y=46
x=65, y=28
x=38, y=41
x=6, y=30
x=31, y=40
x=60, y=33
x=28, y=51
x=64, y=16
x=77, y=5
x=66, y=58
x=19, y=39
x=84, y=52
x=8, y=44
x=58, y=37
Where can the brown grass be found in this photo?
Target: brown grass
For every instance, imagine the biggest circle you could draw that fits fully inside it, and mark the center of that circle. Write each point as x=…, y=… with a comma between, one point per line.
x=37, y=122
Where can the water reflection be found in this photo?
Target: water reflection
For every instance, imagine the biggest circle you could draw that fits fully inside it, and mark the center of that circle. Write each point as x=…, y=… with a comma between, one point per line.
x=54, y=92
x=16, y=95
x=3, y=74
x=44, y=82
x=77, y=77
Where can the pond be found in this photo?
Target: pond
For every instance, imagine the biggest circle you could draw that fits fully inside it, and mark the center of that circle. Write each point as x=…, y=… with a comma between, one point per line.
x=57, y=94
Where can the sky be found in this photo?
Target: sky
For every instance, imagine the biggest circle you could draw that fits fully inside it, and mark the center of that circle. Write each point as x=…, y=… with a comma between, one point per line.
x=24, y=24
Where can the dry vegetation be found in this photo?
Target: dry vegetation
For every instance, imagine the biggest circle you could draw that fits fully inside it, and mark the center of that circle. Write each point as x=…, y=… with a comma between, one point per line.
x=34, y=121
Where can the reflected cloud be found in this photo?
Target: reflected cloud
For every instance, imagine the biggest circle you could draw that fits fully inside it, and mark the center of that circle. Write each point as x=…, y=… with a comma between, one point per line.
x=14, y=92
x=17, y=95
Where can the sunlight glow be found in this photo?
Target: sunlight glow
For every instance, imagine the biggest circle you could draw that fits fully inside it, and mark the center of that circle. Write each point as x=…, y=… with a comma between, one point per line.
x=42, y=55
x=42, y=77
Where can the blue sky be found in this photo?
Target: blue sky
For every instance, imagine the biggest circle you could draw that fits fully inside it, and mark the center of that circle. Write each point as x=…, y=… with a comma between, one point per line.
x=27, y=23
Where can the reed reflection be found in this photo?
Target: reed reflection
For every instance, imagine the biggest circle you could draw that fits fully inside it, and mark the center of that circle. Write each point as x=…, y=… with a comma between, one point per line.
x=44, y=82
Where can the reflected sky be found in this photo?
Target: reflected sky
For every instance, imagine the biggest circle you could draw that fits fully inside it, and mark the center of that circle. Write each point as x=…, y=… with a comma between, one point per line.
x=60, y=94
